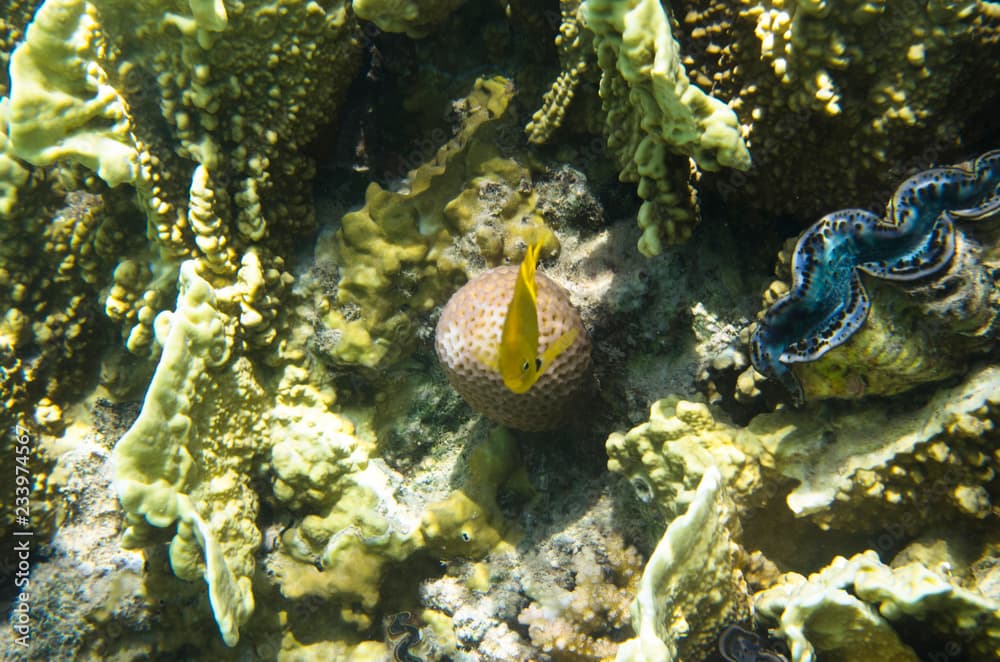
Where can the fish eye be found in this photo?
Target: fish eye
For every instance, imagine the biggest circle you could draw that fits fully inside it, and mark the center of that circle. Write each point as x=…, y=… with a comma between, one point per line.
x=525, y=366
x=538, y=364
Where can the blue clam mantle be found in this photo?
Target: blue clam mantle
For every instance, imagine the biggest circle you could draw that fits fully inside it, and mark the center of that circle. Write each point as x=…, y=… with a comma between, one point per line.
x=828, y=303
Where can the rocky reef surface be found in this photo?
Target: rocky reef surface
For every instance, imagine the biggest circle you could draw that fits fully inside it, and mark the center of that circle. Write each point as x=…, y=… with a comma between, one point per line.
x=228, y=230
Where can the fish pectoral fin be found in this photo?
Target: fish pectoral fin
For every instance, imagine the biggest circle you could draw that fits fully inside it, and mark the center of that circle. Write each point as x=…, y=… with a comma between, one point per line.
x=558, y=346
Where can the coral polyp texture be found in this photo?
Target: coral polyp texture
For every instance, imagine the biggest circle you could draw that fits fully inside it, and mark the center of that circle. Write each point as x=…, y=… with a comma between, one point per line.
x=397, y=257
x=843, y=99
x=467, y=340
x=691, y=586
x=916, y=242
x=205, y=123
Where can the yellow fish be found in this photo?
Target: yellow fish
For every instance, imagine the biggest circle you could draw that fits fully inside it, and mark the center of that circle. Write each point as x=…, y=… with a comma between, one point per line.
x=519, y=363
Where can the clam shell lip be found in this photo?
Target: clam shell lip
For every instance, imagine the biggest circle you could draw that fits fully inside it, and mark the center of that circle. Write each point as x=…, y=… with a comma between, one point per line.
x=468, y=336
x=827, y=302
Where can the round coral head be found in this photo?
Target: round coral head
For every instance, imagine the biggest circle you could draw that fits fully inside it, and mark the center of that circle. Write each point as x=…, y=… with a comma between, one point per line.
x=468, y=342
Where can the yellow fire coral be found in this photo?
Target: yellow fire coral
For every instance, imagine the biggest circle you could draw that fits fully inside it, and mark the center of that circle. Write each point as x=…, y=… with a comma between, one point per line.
x=653, y=110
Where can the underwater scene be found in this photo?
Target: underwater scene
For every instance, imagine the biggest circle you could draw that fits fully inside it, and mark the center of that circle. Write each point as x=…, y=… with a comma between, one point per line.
x=500, y=331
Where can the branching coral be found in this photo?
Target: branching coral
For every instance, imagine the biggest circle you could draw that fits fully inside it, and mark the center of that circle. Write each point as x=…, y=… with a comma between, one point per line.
x=578, y=624
x=207, y=125
x=575, y=58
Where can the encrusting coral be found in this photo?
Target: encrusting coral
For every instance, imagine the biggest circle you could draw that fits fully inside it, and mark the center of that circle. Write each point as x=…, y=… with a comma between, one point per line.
x=853, y=468
x=49, y=118
x=691, y=587
x=856, y=468
x=301, y=522
x=208, y=424
x=414, y=17
x=187, y=458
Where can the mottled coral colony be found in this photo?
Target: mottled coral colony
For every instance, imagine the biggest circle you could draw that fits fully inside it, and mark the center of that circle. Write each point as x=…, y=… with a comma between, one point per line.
x=247, y=248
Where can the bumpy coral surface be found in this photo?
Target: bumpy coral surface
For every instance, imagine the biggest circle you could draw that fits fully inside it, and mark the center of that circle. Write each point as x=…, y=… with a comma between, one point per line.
x=844, y=98
x=180, y=462
x=652, y=111
x=854, y=469
x=401, y=255
x=691, y=587
x=468, y=341
x=206, y=124
x=816, y=614
x=301, y=481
